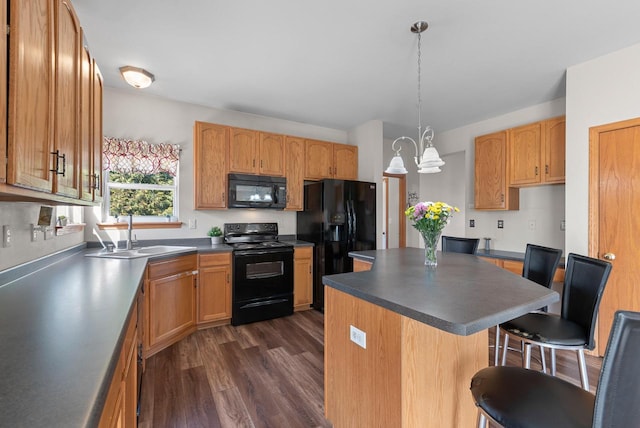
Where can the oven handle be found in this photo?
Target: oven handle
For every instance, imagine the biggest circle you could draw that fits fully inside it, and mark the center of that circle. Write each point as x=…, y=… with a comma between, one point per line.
x=264, y=275
x=263, y=303
x=260, y=252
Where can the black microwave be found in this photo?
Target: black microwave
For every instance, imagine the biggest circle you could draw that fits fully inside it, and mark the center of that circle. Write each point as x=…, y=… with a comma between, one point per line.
x=255, y=191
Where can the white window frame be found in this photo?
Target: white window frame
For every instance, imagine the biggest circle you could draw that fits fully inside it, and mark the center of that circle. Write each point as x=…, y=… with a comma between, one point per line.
x=140, y=186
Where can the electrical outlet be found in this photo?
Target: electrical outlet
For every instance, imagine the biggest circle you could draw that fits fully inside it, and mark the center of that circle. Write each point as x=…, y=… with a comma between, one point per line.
x=563, y=225
x=500, y=224
x=532, y=225
x=34, y=233
x=6, y=236
x=472, y=223
x=358, y=337
x=193, y=223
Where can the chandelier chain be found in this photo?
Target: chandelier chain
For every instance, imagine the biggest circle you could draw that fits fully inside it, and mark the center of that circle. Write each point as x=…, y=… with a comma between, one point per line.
x=419, y=88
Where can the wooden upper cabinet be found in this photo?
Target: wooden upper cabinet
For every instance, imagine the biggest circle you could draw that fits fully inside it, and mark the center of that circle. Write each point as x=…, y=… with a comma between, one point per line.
x=3, y=92
x=330, y=160
x=271, y=155
x=554, y=150
x=491, y=178
x=294, y=172
x=318, y=160
x=31, y=94
x=537, y=153
x=86, y=118
x=525, y=151
x=345, y=162
x=253, y=152
x=96, y=132
x=243, y=146
x=67, y=100
x=210, y=143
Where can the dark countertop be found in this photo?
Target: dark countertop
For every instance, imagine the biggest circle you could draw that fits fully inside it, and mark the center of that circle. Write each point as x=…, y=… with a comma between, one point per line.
x=61, y=330
x=62, y=321
x=492, y=254
x=463, y=295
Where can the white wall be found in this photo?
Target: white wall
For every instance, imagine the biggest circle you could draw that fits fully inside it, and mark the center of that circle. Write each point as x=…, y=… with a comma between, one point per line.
x=600, y=91
x=130, y=113
x=19, y=216
x=544, y=204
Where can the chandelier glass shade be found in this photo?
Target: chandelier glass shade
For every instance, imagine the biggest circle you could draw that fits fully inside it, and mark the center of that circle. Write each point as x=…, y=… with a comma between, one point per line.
x=426, y=158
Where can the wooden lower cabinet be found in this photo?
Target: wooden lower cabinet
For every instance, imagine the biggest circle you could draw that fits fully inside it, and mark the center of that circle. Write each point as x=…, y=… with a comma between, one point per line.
x=516, y=267
x=170, y=295
x=214, y=288
x=302, y=278
x=120, y=409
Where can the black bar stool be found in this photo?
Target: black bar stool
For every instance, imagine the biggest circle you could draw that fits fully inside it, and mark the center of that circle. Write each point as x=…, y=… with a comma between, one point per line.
x=517, y=397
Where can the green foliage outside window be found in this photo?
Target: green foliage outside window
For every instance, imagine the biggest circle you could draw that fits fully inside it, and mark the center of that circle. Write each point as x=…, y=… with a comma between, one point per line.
x=141, y=202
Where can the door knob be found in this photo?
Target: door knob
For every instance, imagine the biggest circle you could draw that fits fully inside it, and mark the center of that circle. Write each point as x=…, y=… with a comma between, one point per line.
x=609, y=256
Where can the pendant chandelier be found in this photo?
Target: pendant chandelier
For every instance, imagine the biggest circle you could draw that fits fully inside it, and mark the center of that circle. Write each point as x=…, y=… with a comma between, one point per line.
x=427, y=158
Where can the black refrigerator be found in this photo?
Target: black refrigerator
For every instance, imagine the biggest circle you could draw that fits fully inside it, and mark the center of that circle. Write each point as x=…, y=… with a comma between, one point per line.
x=339, y=216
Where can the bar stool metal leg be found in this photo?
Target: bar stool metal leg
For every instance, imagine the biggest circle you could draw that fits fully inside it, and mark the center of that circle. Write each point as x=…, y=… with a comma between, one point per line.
x=496, y=346
x=583, y=369
x=482, y=420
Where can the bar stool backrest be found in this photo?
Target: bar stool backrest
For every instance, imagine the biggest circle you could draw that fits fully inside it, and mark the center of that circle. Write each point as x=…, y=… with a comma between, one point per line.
x=453, y=244
x=584, y=282
x=618, y=392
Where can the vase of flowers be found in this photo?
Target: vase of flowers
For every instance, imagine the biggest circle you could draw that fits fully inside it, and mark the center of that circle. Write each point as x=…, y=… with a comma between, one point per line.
x=430, y=218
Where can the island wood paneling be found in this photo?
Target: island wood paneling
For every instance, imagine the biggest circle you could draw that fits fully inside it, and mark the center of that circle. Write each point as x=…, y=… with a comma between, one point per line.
x=409, y=375
x=362, y=386
x=436, y=371
x=361, y=265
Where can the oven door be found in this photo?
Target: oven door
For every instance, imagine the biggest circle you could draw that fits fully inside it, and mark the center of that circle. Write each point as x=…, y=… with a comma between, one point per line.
x=262, y=284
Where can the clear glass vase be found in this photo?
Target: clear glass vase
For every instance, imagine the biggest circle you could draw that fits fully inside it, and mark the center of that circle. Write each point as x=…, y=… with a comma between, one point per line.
x=430, y=245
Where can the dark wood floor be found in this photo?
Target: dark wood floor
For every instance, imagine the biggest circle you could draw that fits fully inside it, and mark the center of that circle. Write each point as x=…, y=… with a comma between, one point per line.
x=266, y=374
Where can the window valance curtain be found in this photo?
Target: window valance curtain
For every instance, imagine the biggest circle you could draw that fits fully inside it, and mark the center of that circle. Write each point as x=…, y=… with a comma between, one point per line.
x=138, y=156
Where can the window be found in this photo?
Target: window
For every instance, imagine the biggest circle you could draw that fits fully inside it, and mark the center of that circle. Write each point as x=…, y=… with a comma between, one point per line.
x=142, y=179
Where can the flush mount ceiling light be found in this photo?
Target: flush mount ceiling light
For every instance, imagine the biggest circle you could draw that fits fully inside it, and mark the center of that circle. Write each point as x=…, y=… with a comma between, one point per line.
x=427, y=158
x=137, y=77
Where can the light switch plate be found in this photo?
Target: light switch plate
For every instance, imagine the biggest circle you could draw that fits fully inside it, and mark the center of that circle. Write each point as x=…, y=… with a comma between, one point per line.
x=6, y=236
x=500, y=224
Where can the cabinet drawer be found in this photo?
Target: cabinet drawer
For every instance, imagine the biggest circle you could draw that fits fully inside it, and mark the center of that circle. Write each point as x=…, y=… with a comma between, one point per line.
x=303, y=253
x=173, y=266
x=206, y=260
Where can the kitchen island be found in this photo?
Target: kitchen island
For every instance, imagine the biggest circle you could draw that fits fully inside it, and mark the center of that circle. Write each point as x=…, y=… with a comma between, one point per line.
x=425, y=335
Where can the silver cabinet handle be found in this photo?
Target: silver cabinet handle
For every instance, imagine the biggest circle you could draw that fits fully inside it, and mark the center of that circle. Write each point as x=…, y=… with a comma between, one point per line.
x=609, y=256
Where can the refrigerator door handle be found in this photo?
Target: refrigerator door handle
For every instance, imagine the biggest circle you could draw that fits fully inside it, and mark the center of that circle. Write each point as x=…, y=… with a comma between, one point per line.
x=354, y=220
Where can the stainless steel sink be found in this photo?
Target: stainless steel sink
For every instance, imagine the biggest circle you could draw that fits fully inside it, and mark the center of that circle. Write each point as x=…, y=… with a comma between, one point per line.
x=141, y=252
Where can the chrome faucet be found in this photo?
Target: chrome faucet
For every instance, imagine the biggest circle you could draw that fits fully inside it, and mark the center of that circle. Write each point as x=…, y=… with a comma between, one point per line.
x=129, y=229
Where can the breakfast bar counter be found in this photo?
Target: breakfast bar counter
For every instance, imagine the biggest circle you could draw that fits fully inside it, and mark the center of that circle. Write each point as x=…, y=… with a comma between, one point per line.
x=422, y=333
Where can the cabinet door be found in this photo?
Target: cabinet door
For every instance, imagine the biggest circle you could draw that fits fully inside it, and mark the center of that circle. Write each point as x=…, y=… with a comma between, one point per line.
x=67, y=99
x=491, y=187
x=86, y=118
x=97, y=137
x=294, y=172
x=3, y=93
x=31, y=89
x=271, y=154
x=525, y=148
x=318, y=160
x=554, y=150
x=214, y=287
x=345, y=162
x=243, y=147
x=172, y=308
x=210, y=165
x=302, y=278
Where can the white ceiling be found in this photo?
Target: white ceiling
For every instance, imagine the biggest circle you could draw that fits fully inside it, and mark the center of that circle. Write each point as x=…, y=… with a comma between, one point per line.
x=341, y=63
